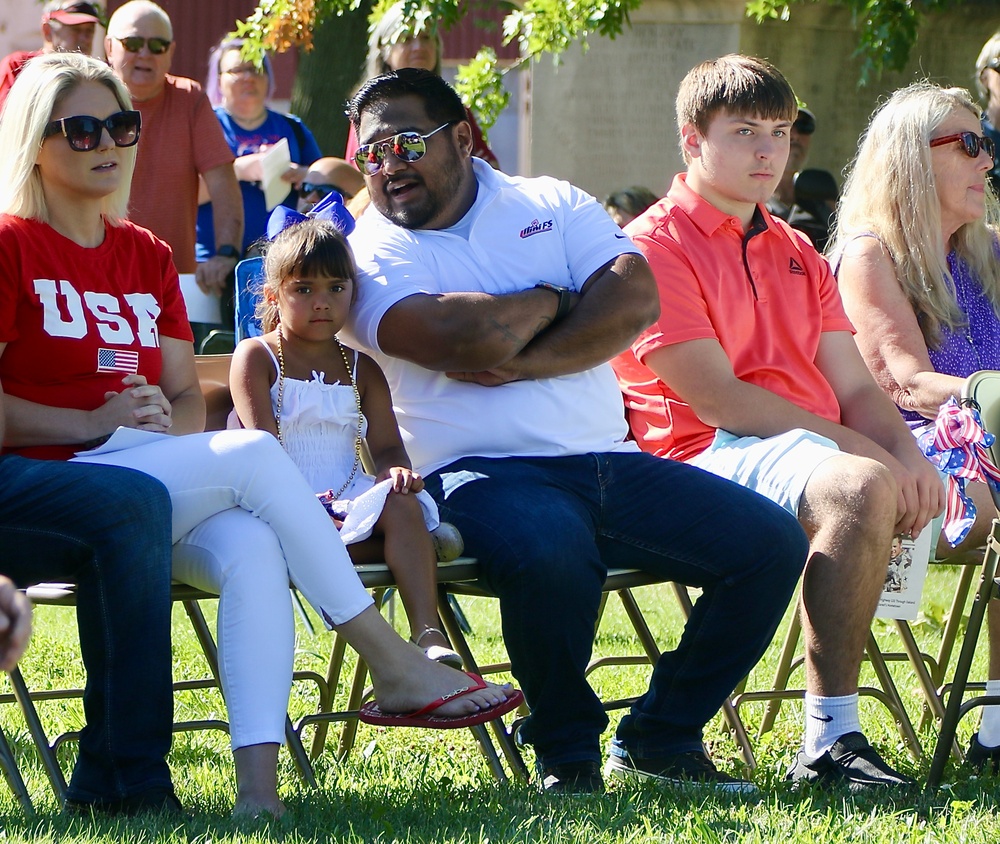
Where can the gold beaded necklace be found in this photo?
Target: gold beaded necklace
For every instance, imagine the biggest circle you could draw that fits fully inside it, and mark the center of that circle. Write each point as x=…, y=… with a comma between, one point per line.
x=357, y=404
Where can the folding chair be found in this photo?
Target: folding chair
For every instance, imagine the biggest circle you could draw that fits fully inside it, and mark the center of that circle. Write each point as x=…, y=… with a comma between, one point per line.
x=981, y=390
x=64, y=595
x=620, y=582
x=249, y=275
x=378, y=578
x=887, y=694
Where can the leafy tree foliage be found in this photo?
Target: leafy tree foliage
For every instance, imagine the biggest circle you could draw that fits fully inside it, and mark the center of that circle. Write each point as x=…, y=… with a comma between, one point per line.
x=887, y=32
x=538, y=26
x=887, y=29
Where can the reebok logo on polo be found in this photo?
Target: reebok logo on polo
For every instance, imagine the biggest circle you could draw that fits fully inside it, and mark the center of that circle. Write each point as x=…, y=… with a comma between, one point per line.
x=795, y=268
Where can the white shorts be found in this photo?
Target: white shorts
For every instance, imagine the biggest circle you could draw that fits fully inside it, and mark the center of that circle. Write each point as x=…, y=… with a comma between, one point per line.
x=778, y=467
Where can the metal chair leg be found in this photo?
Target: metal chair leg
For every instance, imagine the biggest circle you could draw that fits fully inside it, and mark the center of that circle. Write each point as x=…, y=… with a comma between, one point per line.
x=13, y=776
x=453, y=628
x=783, y=670
x=952, y=626
x=892, y=699
x=955, y=708
x=45, y=750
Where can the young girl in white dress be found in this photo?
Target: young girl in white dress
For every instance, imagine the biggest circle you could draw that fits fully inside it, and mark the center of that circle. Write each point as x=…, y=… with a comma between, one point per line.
x=323, y=401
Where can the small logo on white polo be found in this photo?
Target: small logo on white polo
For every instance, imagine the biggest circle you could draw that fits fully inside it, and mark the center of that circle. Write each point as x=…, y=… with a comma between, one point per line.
x=536, y=228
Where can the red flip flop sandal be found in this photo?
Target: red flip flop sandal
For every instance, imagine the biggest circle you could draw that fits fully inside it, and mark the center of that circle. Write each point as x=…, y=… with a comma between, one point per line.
x=424, y=717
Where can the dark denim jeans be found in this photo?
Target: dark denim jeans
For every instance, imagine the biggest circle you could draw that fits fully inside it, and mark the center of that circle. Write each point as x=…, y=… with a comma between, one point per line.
x=107, y=530
x=546, y=530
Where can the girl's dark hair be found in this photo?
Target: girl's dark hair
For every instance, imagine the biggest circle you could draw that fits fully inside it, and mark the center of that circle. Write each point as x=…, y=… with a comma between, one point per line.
x=313, y=247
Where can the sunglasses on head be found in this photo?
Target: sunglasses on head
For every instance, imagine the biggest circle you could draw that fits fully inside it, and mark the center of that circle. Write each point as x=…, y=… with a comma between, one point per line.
x=323, y=190
x=83, y=132
x=971, y=143
x=406, y=146
x=134, y=43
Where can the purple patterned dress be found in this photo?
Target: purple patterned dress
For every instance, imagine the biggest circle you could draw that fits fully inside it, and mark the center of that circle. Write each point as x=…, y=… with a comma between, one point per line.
x=976, y=345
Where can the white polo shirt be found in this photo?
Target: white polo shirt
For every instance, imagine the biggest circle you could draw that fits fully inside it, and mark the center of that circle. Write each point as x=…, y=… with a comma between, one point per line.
x=518, y=232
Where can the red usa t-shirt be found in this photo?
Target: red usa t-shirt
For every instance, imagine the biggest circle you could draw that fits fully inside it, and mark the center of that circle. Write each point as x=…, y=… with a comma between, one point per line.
x=77, y=320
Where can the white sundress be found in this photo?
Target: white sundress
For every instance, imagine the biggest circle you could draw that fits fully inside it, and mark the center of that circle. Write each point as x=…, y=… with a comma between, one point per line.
x=319, y=423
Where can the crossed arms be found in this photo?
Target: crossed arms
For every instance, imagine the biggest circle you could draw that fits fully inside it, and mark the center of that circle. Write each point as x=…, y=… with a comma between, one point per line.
x=494, y=339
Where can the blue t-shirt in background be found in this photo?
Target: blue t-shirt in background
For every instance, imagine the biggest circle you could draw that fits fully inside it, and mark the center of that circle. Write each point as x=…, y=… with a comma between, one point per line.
x=246, y=142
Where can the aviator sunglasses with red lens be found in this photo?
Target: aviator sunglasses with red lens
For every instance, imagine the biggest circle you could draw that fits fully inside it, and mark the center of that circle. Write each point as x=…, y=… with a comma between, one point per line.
x=971, y=143
x=406, y=146
x=83, y=132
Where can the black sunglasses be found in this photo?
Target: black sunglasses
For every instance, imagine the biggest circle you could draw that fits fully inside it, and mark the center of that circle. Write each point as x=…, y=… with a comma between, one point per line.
x=83, y=132
x=134, y=43
x=804, y=124
x=323, y=190
x=971, y=144
x=406, y=146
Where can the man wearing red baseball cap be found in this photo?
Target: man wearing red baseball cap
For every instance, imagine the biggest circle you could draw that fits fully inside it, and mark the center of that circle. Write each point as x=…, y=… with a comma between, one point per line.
x=67, y=27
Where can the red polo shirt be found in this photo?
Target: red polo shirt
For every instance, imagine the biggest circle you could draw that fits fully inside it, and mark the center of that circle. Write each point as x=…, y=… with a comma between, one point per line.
x=767, y=296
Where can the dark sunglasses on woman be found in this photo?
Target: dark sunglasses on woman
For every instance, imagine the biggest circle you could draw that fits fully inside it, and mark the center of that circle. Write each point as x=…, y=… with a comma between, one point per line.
x=83, y=132
x=971, y=143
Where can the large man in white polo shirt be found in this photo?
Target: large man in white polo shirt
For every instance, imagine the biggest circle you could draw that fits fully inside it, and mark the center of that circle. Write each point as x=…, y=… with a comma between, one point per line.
x=493, y=304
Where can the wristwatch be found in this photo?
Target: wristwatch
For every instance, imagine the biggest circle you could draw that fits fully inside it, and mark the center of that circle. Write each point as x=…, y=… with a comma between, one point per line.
x=564, y=298
x=227, y=250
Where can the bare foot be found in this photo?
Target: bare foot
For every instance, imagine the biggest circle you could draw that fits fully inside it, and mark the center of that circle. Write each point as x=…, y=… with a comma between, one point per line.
x=249, y=807
x=257, y=781
x=423, y=681
x=425, y=637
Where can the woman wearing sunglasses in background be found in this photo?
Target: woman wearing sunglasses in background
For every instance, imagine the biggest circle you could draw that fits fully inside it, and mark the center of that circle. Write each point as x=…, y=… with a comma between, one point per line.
x=94, y=343
x=919, y=272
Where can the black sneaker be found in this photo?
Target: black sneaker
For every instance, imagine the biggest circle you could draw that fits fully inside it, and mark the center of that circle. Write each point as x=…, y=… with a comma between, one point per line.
x=572, y=778
x=979, y=755
x=852, y=761
x=153, y=800
x=692, y=769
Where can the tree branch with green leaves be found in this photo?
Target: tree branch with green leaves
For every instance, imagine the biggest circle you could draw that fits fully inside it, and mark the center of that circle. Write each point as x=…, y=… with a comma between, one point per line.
x=539, y=27
x=887, y=29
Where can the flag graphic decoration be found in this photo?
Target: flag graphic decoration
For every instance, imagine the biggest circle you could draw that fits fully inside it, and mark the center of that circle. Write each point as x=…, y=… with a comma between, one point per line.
x=117, y=360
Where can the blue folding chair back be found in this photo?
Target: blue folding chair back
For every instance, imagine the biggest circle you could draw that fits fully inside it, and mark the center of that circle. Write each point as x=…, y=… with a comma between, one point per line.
x=249, y=276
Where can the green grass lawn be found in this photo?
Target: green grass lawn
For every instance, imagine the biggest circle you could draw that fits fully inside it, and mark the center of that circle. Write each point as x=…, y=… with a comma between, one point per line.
x=433, y=786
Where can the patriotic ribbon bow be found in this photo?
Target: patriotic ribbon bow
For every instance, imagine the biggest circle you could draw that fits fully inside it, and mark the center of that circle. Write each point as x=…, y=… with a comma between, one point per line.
x=330, y=208
x=957, y=444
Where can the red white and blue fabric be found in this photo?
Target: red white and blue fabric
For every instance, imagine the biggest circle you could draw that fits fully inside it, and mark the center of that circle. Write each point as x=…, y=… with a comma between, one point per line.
x=957, y=444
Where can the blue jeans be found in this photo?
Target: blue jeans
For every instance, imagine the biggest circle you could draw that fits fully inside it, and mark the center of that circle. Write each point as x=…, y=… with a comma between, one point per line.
x=546, y=530
x=107, y=530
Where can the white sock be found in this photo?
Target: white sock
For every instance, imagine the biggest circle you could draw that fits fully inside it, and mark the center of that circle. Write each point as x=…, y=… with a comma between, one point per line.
x=989, y=729
x=827, y=719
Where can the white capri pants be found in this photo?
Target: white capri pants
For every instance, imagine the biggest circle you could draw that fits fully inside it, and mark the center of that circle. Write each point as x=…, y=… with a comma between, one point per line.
x=245, y=523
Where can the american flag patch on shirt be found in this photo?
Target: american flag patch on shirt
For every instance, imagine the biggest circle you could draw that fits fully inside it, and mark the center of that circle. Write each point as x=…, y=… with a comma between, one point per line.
x=117, y=360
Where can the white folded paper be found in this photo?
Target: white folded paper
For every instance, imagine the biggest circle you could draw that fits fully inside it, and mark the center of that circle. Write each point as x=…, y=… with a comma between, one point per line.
x=124, y=438
x=201, y=306
x=274, y=164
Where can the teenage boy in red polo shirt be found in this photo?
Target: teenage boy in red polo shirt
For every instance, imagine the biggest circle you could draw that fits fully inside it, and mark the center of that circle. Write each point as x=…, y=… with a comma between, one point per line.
x=751, y=372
